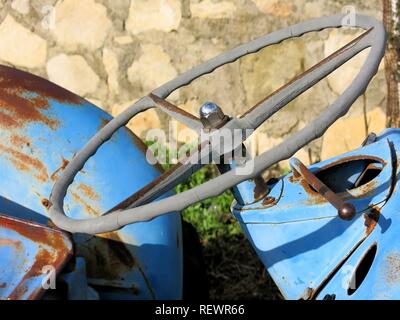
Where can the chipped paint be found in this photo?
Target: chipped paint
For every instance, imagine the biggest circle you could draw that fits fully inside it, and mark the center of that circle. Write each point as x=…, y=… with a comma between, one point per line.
x=371, y=219
x=88, y=191
x=25, y=162
x=392, y=269
x=54, y=176
x=88, y=208
x=38, y=122
x=48, y=247
x=24, y=97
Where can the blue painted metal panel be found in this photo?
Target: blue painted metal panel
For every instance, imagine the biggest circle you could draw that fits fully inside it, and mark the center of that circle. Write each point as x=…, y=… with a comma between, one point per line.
x=382, y=279
x=299, y=236
x=51, y=125
x=27, y=251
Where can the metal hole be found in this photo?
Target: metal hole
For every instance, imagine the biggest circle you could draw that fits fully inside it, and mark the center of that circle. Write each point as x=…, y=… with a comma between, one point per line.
x=362, y=269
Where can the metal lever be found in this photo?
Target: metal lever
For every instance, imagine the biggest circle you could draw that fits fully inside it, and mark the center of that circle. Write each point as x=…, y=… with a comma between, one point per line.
x=346, y=211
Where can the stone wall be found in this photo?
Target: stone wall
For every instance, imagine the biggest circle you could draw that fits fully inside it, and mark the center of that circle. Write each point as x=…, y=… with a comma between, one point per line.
x=113, y=52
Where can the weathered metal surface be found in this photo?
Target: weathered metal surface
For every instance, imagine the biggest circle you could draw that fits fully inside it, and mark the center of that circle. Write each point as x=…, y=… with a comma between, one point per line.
x=392, y=269
x=26, y=249
x=269, y=201
x=382, y=280
x=371, y=218
x=42, y=127
x=346, y=211
x=300, y=229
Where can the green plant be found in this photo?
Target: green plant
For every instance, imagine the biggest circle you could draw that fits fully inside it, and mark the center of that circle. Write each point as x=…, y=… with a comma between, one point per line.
x=210, y=217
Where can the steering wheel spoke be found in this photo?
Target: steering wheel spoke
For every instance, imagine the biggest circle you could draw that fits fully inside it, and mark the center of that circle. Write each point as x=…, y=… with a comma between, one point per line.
x=185, y=167
x=177, y=113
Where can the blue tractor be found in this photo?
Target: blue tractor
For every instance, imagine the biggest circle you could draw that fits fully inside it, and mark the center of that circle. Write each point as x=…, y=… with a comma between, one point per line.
x=82, y=209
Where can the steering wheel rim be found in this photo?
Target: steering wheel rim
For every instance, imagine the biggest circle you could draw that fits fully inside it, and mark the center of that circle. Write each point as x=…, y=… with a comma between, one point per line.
x=374, y=38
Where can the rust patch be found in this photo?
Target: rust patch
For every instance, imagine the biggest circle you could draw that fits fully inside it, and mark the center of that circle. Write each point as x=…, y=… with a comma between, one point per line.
x=88, y=192
x=137, y=141
x=7, y=121
x=87, y=207
x=308, y=189
x=348, y=159
x=45, y=203
x=10, y=243
x=23, y=97
x=260, y=188
x=164, y=104
x=269, y=201
x=19, y=141
x=392, y=270
x=316, y=198
x=22, y=110
x=357, y=192
x=371, y=219
x=35, y=233
x=26, y=162
x=20, y=165
x=104, y=122
x=40, y=235
x=366, y=189
x=43, y=258
x=54, y=175
x=294, y=178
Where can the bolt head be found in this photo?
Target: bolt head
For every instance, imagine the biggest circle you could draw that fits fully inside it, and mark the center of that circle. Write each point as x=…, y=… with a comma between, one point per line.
x=211, y=115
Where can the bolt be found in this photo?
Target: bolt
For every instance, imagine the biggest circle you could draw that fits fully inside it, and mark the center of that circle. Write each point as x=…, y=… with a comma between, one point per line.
x=212, y=116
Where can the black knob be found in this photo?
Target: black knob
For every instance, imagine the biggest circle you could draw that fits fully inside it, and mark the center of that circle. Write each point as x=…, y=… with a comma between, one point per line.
x=347, y=211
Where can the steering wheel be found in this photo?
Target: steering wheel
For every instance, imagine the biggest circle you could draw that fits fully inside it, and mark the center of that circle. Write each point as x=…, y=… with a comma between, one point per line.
x=139, y=206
